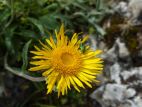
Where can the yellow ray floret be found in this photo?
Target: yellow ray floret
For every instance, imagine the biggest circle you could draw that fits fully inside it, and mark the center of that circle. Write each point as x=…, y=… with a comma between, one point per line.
x=64, y=65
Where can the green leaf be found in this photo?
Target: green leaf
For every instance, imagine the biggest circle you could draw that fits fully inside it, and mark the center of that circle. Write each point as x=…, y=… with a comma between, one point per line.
x=98, y=4
x=99, y=29
x=25, y=55
x=28, y=34
x=52, y=6
x=49, y=21
x=9, y=33
x=82, y=48
x=44, y=105
x=4, y=15
x=38, y=24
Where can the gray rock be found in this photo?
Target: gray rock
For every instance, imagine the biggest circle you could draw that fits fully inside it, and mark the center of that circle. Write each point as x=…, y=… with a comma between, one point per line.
x=115, y=72
x=135, y=8
x=128, y=103
x=135, y=72
x=114, y=92
x=130, y=92
x=138, y=101
x=126, y=74
x=123, y=50
x=122, y=7
x=110, y=54
x=121, y=85
x=98, y=94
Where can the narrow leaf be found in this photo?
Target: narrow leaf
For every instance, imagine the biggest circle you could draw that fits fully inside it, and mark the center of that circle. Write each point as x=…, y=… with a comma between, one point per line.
x=38, y=24
x=25, y=55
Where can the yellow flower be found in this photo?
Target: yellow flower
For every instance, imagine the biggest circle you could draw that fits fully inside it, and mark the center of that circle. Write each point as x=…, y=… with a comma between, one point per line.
x=65, y=64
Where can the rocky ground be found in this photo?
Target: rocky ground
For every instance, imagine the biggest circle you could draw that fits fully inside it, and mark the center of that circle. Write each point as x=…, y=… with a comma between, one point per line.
x=121, y=81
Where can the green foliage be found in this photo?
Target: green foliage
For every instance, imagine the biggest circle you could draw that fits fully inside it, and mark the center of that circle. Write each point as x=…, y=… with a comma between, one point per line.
x=23, y=20
x=32, y=19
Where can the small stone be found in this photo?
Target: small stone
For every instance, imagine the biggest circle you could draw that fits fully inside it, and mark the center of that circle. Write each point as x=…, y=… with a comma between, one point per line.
x=128, y=103
x=130, y=92
x=138, y=101
x=115, y=72
x=135, y=8
x=126, y=74
x=123, y=50
x=122, y=7
x=97, y=95
x=114, y=92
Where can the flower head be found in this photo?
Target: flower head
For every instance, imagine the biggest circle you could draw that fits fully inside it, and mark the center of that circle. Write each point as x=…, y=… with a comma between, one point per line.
x=64, y=64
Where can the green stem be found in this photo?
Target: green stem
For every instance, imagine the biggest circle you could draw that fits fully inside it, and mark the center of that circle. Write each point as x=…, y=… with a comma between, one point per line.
x=21, y=74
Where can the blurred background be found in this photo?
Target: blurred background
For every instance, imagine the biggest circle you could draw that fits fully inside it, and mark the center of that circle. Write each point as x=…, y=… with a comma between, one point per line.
x=115, y=26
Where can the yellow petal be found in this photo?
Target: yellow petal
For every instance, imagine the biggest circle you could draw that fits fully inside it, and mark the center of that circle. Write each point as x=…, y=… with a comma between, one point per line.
x=41, y=62
x=84, y=79
x=85, y=39
x=51, y=81
x=64, y=87
x=45, y=46
x=80, y=76
x=93, y=61
x=91, y=53
x=90, y=77
x=37, y=68
x=50, y=43
x=47, y=72
x=74, y=39
x=36, y=48
x=61, y=32
x=68, y=82
x=91, y=72
x=77, y=81
x=59, y=85
x=94, y=66
x=73, y=83
x=41, y=57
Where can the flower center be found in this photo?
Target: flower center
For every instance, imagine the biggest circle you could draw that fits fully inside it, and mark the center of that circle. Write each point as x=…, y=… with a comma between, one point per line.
x=67, y=58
